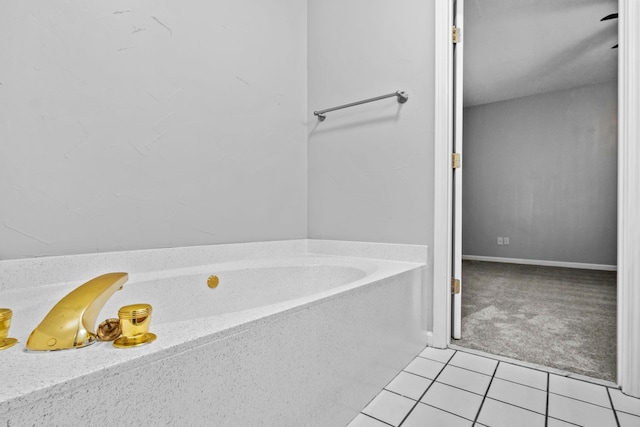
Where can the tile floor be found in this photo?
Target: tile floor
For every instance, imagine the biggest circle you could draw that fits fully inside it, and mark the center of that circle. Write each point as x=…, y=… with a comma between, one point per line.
x=454, y=388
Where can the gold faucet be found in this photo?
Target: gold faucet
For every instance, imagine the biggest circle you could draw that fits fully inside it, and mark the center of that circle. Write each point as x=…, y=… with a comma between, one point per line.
x=71, y=322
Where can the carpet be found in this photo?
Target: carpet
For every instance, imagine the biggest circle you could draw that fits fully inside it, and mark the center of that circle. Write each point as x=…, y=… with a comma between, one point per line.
x=558, y=317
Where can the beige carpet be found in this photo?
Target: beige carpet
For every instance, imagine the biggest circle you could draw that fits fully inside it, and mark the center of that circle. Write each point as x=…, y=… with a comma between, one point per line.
x=558, y=317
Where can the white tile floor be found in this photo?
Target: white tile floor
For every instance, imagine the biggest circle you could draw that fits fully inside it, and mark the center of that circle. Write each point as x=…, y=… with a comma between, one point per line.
x=445, y=388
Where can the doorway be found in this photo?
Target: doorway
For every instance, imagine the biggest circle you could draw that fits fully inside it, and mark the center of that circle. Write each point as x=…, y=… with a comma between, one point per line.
x=628, y=300
x=539, y=187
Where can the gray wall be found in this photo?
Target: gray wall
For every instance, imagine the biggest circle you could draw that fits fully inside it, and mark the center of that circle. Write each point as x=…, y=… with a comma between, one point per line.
x=542, y=170
x=151, y=124
x=166, y=124
x=370, y=167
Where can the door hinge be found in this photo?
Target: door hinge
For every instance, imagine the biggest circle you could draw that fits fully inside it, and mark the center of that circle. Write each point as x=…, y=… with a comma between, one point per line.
x=455, y=286
x=456, y=160
x=455, y=34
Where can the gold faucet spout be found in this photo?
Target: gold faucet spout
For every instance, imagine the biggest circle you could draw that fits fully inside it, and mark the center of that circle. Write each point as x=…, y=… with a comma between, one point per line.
x=71, y=322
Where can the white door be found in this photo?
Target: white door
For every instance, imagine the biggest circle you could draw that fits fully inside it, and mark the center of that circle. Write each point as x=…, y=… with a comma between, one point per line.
x=456, y=256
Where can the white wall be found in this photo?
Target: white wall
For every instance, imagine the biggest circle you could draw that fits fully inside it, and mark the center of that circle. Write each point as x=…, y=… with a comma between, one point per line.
x=542, y=170
x=370, y=167
x=151, y=124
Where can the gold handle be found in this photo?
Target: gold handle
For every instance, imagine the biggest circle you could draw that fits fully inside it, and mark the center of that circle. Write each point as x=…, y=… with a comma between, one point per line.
x=134, y=324
x=5, y=324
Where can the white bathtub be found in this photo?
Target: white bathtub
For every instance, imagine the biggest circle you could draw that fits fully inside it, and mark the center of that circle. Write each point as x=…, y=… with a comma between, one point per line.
x=297, y=333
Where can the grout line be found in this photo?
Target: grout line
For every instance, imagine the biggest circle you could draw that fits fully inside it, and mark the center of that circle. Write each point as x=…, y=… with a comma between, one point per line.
x=385, y=389
x=459, y=388
x=475, y=420
x=515, y=406
x=627, y=413
x=421, y=396
x=422, y=376
x=448, y=412
x=485, y=396
x=415, y=375
x=535, y=366
x=584, y=379
x=401, y=395
x=524, y=385
x=439, y=361
x=425, y=392
x=613, y=408
x=403, y=370
x=471, y=370
x=565, y=421
x=424, y=358
x=433, y=360
x=398, y=394
x=383, y=422
x=546, y=412
x=583, y=401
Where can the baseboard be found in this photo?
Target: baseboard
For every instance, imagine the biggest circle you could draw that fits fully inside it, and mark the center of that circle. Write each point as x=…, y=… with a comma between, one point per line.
x=545, y=263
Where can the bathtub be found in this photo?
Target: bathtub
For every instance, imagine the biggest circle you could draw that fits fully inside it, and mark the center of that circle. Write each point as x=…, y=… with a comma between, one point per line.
x=301, y=332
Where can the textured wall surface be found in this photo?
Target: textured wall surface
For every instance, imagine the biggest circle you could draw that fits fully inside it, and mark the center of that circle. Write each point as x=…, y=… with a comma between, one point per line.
x=370, y=167
x=542, y=170
x=151, y=124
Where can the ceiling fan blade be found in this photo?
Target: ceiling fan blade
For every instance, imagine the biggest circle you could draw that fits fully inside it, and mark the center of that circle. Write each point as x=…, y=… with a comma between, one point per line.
x=612, y=16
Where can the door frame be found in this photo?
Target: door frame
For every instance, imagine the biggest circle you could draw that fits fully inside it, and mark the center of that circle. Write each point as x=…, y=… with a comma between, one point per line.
x=628, y=282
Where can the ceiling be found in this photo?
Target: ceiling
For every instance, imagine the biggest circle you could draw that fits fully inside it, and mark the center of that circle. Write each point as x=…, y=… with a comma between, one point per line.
x=515, y=48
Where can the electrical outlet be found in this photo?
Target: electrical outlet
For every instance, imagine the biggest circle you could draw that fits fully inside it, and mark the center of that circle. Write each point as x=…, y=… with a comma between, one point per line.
x=500, y=241
x=506, y=240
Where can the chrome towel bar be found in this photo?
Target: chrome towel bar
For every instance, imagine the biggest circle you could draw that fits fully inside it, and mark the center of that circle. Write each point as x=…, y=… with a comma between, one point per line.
x=401, y=95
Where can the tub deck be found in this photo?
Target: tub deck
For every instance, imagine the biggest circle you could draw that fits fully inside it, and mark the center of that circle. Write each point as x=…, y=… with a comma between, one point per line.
x=258, y=300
